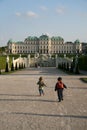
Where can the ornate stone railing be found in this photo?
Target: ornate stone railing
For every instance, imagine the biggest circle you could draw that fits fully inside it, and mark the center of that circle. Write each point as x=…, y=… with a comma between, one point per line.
x=19, y=61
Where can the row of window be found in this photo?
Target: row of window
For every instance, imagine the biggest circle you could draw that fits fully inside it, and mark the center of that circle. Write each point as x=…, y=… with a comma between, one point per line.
x=35, y=49
x=22, y=51
x=28, y=47
x=43, y=42
x=14, y=48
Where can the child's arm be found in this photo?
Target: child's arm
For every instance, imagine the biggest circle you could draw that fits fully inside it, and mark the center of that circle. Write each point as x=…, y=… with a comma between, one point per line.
x=64, y=85
x=45, y=85
x=56, y=87
x=38, y=82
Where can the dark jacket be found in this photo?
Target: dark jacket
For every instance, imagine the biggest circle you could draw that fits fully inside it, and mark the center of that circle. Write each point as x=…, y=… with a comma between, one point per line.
x=41, y=84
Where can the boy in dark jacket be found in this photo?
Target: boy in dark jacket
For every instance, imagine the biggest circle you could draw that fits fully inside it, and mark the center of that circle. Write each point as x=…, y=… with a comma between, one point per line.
x=59, y=88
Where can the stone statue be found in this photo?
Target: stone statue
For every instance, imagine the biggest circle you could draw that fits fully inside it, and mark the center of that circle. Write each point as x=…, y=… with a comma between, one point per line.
x=7, y=59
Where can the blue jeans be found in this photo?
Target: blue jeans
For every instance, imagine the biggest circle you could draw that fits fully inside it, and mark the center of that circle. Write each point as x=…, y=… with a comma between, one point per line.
x=41, y=92
x=60, y=94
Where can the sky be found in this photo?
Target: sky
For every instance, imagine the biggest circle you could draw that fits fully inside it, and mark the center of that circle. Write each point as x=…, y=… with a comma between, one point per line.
x=22, y=18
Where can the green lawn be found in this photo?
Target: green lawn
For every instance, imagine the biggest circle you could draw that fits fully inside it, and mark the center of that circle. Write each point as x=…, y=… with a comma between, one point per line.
x=84, y=80
x=3, y=61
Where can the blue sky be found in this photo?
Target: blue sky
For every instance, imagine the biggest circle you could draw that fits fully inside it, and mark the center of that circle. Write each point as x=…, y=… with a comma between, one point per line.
x=22, y=18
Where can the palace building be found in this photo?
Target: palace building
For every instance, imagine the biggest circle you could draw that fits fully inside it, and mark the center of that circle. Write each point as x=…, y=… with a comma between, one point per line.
x=44, y=45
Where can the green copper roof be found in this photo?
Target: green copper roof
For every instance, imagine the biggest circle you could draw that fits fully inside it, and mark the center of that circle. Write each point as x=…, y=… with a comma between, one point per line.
x=57, y=38
x=10, y=41
x=19, y=42
x=31, y=38
x=44, y=37
x=77, y=41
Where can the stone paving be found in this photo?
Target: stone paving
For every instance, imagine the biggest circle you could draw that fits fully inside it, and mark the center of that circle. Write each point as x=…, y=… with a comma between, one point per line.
x=21, y=107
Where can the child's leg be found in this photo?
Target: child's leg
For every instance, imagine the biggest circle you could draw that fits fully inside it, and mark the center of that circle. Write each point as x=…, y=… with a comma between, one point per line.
x=40, y=92
x=59, y=94
x=62, y=94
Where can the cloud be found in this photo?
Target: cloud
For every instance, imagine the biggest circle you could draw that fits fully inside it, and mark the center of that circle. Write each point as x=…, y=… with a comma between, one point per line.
x=48, y=34
x=43, y=8
x=60, y=10
x=31, y=14
x=27, y=14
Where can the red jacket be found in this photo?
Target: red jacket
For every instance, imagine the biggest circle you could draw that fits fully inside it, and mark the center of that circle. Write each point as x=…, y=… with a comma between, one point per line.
x=60, y=85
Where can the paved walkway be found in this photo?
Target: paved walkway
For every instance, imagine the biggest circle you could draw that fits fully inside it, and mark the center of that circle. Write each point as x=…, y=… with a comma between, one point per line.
x=22, y=109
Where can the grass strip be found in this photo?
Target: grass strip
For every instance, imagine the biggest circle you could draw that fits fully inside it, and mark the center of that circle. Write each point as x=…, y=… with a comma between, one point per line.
x=84, y=79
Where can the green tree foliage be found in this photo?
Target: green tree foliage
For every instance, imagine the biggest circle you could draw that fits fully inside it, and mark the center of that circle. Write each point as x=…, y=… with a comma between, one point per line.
x=83, y=62
x=3, y=49
x=2, y=62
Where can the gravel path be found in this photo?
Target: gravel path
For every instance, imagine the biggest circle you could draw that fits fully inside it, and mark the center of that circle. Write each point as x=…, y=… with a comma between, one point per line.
x=21, y=107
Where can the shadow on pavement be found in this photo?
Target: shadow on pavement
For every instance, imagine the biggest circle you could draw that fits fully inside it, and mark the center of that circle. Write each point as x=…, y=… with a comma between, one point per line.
x=77, y=87
x=19, y=95
x=50, y=115
x=35, y=100
x=40, y=71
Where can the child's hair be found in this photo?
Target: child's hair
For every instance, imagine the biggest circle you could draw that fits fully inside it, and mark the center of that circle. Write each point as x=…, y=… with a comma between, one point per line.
x=40, y=78
x=59, y=79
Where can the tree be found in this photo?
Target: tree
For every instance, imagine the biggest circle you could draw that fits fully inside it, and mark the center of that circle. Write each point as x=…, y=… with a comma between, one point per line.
x=16, y=66
x=6, y=69
x=0, y=71
x=12, y=67
x=77, y=69
x=67, y=67
x=71, y=68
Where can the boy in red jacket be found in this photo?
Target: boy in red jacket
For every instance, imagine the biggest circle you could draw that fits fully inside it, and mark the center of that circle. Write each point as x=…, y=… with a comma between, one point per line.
x=59, y=88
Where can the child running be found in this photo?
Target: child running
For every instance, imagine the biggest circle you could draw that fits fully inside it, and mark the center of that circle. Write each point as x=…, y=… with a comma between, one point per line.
x=59, y=88
x=41, y=86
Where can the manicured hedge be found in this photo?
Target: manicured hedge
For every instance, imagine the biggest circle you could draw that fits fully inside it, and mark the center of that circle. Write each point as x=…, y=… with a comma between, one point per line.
x=83, y=62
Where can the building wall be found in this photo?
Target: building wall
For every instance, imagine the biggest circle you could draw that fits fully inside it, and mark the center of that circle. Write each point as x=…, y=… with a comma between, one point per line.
x=44, y=45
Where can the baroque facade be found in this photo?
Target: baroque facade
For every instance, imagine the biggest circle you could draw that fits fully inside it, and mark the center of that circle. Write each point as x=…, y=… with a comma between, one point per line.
x=44, y=45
